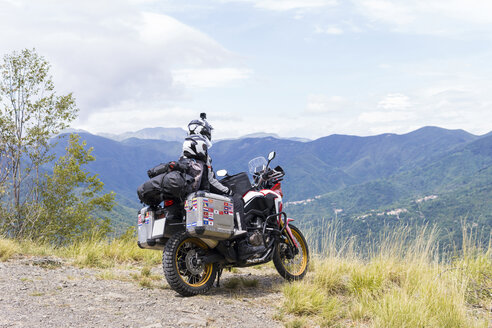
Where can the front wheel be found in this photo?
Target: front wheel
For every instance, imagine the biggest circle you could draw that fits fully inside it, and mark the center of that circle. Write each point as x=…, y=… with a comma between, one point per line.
x=289, y=265
x=182, y=268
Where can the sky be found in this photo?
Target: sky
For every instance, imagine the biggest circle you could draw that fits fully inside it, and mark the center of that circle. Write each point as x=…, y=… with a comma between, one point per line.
x=298, y=68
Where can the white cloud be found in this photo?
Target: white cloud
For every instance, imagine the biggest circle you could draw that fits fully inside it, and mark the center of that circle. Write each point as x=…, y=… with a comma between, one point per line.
x=285, y=5
x=386, y=116
x=460, y=108
x=129, y=119
x=114, y=54
x=387, y=11
x=178, y=42
x=317, y=104
x=332, y=30
x=210, y=77
x=14, y=2
x=466, y=104
x=395, y=101
x=451, y=18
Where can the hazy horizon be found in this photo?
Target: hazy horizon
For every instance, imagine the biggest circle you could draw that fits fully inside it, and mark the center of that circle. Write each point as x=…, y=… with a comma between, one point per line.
x=264, y=132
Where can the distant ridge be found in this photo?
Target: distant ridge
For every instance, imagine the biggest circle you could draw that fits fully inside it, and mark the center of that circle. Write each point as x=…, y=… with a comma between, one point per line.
x=177, y=134
x=157, y=133
x=268, y=135
x=72, y=130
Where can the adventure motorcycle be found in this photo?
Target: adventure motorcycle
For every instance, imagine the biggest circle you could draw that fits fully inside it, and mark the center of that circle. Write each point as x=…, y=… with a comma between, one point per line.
x=196, y=254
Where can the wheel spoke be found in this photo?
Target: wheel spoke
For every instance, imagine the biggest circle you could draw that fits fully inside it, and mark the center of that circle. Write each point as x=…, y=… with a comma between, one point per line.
x=191, y=272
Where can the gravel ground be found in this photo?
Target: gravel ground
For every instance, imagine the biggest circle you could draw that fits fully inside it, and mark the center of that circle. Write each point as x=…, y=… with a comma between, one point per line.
x=45, y=292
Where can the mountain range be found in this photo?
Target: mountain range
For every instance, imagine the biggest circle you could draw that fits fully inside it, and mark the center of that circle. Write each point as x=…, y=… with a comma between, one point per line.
x=356, y=177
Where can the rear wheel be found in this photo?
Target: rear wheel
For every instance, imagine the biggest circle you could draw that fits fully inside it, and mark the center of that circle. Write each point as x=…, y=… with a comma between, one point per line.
x=289, y=265
x=182, y=268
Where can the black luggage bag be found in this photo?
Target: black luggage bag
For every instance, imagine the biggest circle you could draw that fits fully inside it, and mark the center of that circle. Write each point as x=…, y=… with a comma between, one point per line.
x=169, y=185
x=239, y=183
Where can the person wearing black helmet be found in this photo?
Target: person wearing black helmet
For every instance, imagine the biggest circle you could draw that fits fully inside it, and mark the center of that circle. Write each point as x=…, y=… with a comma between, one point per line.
x=203, y=129
x=196, y=146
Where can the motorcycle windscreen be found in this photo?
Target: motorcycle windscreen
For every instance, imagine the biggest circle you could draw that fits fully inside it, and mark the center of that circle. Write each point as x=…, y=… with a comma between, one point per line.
x=257, y=164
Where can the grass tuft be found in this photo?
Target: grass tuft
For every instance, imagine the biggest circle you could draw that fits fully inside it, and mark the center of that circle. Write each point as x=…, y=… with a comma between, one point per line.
x=250, y=283
x=303, y=298
x=145, y=282
x=145, y=272
x=238, y=282
x=232, y=283
x=8, y=248
x=296, y=323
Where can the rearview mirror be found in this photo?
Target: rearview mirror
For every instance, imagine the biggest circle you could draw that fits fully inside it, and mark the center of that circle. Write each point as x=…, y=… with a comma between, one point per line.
x=222, y=173
x=271, y=155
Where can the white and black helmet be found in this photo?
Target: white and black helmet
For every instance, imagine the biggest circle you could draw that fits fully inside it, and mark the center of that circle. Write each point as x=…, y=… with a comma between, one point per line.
x=196, y=146
x=201, y=127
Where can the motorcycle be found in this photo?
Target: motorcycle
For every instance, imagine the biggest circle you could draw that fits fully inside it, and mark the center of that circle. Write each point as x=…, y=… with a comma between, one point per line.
x=192, y=262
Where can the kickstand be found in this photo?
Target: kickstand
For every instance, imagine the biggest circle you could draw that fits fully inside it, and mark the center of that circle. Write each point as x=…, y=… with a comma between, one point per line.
x=219, y=274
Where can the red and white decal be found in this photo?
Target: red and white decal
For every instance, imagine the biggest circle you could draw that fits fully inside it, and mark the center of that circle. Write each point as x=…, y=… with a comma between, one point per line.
x=262, y=193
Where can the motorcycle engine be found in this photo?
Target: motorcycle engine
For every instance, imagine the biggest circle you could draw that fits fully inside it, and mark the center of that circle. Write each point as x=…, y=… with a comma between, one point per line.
x=256, y=239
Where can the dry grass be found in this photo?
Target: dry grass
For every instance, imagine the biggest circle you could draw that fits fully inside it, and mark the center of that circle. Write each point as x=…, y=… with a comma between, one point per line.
x=93, y=252
x=8, y=248
x=402, y=283
x=103, y=254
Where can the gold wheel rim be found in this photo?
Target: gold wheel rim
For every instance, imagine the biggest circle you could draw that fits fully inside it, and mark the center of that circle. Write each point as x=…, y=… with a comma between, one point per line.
x=192, y=277
x=298, y=264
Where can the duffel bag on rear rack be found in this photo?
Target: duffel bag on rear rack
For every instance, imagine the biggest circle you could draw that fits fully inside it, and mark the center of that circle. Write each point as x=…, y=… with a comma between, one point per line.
x=173, y=184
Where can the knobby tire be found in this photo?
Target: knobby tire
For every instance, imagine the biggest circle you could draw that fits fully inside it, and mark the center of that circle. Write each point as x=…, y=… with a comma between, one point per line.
x=172, y=264
x=279, y=258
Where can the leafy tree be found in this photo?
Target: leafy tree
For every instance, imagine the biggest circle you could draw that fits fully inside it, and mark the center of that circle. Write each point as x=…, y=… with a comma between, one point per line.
x=71, y=198
x=30, y=115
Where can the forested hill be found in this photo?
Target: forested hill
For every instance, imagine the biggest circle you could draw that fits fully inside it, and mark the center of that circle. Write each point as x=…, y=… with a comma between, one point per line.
x=357, y=174
x=449, y=190
x=334, y=162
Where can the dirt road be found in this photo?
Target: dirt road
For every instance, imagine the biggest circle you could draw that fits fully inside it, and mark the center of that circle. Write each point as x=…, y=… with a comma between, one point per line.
x=45, y=292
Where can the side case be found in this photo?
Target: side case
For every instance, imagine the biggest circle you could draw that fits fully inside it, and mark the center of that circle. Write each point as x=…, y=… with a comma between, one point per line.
x=209, y=216
x=151, y=227
x=154, y=229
